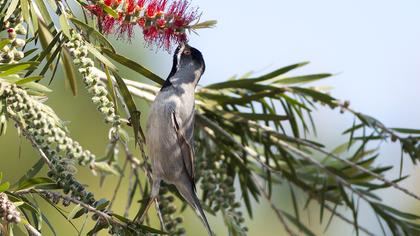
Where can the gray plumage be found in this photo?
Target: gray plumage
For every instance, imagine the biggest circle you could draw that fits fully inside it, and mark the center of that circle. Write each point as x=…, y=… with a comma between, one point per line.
x=170, y=128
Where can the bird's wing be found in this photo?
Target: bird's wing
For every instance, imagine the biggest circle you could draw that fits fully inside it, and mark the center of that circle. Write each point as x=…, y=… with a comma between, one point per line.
x=186, y=148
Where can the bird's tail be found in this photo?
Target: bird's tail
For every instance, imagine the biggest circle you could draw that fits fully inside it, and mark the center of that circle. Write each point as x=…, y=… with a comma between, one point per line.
x=190, y=196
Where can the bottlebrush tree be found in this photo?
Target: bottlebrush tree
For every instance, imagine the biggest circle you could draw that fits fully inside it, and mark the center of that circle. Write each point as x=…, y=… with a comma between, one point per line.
x=250, y=131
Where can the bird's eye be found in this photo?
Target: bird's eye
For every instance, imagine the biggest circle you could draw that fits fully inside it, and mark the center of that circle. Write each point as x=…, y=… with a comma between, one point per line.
x=187, y=52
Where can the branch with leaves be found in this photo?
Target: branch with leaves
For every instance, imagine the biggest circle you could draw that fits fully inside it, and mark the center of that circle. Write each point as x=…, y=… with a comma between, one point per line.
x=257, y=132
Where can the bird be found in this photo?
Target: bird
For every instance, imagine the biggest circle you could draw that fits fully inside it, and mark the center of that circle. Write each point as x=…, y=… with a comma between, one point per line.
x=170, y=129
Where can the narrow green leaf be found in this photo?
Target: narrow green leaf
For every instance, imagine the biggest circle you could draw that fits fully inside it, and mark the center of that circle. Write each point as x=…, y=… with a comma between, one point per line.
x=134, y=66
x=406, y=131
x=253, y=81
x=34, y=21
x=46, y=38
x=398, y=213
x=245, y=195
x=301, y=226
x=44, y=12
x=302, y=79
x=111, y=90
x=14, y=68
x=204, y=24
x=36, y=87
x=319, y=96
x=263, y=117
x=33, y=182
x=96, y=229
x=73, y=212
x=101, y=204
x=29, y=64
x=24, y=6
x=282, y=71
x=31, y=172
x=10, y=9
x=29, y=79
x=79, y=213
x=65, y=28
x=101, y=57
x=93, y=33
x=49, y=63
x=4, y=186
x=295, y=203
x=110, y=11
x=55, y=42
x=134, y=113
x=4, y=42
x=69, y=70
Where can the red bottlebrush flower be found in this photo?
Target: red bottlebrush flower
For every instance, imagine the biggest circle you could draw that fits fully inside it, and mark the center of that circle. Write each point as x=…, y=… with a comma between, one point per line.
x=141, y=3
x=151, y=9
x=108, y=24
x=142, y=21
x=126, y=29
x=108, y=2
x=151, y=34
x=163, y=23
x=130, y=7
x=161, y=6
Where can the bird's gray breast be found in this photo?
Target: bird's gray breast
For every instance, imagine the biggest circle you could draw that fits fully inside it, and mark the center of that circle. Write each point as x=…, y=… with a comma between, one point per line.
x=161, y=136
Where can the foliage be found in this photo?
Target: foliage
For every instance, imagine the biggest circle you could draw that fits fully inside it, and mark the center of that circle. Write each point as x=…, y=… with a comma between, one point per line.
x=251, y=132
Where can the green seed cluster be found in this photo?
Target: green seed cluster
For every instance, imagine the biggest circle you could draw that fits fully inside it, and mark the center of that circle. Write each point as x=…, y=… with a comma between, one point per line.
x=168, y=210
x=11, y=53
x=121, y=230
x=43, y=127
x=63, y=173
x=79, y=51
x=218, y=188
x=8, y=210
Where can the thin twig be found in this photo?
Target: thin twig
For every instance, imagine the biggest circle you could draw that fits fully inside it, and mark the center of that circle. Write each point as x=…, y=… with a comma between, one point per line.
x=278, y=212
x=34, y=144
x=73, y=200
x=345, y=219
x=117, y=187
x=358, y=167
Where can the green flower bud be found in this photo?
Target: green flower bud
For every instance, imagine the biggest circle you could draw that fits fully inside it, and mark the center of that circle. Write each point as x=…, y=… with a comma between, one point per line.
x=18, y=43
x=5, y=49
x=20, y=29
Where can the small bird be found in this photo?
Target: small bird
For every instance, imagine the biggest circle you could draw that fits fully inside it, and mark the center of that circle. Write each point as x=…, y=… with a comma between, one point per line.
x=170, y=129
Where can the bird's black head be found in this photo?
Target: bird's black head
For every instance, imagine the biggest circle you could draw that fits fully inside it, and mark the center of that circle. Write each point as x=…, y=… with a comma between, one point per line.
x=186, y=58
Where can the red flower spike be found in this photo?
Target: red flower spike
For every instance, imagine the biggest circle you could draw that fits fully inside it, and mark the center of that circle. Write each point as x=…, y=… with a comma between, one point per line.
x=142, y=21
x=161, y=6
x=130, y=7
x=141, y=3
x=151, y=34
x=151, y=9
x=108, y=2
x=10, y=30
x=120, y=15
x=108, y=24
x=163, y=22
x=126, y=29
